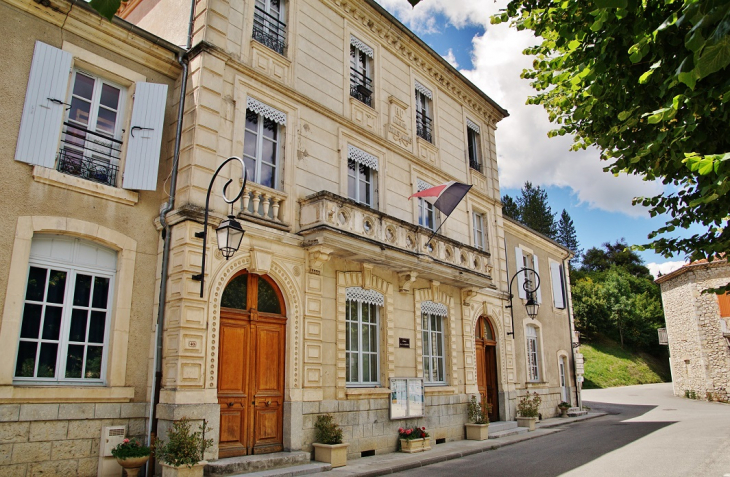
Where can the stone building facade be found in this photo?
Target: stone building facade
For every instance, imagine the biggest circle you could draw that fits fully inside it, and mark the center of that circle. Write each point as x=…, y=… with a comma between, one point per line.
x=337, y=292
x=698, y=329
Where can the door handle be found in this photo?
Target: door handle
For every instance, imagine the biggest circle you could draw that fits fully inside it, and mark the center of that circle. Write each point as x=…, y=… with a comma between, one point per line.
x=230, y=404
x=268, y=403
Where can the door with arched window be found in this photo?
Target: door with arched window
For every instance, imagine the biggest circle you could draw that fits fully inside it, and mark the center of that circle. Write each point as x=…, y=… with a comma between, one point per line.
x=251, y=366
x=487, y=380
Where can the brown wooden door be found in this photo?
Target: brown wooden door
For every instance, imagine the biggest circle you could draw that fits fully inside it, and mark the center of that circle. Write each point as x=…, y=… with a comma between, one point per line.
x=251, y=368
x=487, y=379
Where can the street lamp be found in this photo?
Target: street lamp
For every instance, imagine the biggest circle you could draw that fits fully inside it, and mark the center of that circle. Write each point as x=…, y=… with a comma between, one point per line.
x=229, y=233
x=531, y=305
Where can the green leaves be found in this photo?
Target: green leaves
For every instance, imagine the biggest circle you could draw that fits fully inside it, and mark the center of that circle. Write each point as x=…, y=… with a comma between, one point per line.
x=106, y=8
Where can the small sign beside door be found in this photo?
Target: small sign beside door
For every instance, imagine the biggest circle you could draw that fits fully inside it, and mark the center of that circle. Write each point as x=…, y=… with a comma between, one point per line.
x=404, y=342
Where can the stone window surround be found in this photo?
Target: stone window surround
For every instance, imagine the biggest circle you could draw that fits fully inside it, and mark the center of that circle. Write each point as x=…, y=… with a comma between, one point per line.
x=115, y=389
x=374, y=56
x=540, y=351
x=435, y=295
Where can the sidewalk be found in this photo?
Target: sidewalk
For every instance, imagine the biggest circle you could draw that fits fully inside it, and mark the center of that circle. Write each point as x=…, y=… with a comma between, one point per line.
x=397, y=461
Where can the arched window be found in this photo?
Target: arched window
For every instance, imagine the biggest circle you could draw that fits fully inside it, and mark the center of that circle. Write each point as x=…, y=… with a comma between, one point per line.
x=484, y=329
x=238, y=294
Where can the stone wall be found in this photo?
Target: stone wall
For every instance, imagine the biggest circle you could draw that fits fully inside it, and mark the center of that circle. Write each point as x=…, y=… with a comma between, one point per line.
x=367, y=426
x=61, y=439
x=700, y=356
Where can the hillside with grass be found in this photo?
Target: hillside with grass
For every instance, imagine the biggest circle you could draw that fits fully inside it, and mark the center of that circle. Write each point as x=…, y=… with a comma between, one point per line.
x=608, y=365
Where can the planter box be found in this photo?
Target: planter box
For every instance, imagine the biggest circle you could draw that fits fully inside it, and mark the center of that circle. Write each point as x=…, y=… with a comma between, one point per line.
x=183, y=471
x=411, y=446
x=335, y=454
x=477, y=432
x=528, y=422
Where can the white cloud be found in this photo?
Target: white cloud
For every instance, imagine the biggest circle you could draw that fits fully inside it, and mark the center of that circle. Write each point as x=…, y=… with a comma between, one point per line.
x=524, y=151
x=664, y=268
x=451, y=58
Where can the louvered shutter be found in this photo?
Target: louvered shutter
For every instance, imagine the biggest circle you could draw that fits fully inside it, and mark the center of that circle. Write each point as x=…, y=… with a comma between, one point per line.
x=519, y=265
x=537, y=270
x=44, y=108
x=557, y=285
x=145, y=137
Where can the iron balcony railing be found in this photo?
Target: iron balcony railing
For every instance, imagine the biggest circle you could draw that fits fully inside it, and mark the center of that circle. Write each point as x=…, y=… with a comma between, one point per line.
x=269, y=31
x=475, y=164
x=424, y=126
x=89, y=155
x=361, y=87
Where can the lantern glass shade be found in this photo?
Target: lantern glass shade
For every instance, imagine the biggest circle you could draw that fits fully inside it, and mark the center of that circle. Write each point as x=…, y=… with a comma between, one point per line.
x=229, y=234
x=531, y=306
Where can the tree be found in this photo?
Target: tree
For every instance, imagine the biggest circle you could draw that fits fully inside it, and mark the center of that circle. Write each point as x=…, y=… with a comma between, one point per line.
x=567, y=237
x=617, y=254
x=647, y=84
x=531, y=208
x=106, y=8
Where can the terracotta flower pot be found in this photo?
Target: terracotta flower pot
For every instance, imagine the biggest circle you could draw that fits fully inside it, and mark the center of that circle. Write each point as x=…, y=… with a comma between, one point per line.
x=411, y=446
x=335, y=454
x=133, y=464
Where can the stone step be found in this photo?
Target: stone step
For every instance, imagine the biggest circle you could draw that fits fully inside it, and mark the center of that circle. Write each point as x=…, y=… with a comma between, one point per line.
x=501, y=426
x=293, y=471
x=256, y=463
x=507, y=432
x=576, y=412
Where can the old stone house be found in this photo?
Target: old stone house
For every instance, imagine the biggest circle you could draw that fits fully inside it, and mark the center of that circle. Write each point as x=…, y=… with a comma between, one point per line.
x=336, y=300
x=698, y=329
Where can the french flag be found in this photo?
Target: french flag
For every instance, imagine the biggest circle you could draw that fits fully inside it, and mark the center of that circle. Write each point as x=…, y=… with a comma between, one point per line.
x=444, y=197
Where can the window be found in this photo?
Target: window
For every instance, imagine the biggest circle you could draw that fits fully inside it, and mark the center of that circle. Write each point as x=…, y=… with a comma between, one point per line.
x=558, y=284
x=67, y=304
x=83, y=111
x=533, y=370
x=424, y=122
x=361, y=176
x=426, y=213
x=361, y=83
x=528, y=260
x=362, y=320
x=480, y=234
x=262, y=143
x=472, y=138
x=268, y=24
x=432, y=327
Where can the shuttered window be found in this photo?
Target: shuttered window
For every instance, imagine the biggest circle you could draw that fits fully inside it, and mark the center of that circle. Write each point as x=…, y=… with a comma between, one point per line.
x=724, y=302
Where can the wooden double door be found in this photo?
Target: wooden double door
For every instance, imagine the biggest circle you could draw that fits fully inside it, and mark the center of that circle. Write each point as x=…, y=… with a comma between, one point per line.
x=251, y=367
x=487, y=378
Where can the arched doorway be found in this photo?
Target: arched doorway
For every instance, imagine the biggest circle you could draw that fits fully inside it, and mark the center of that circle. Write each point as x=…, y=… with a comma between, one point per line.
x=251, y=366
x=487, y=380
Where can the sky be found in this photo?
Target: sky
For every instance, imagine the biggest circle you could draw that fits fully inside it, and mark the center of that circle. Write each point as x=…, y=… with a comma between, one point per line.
x=490, y=56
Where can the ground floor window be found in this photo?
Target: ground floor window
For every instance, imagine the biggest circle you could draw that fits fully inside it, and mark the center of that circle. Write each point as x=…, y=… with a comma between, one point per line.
x=363, y=336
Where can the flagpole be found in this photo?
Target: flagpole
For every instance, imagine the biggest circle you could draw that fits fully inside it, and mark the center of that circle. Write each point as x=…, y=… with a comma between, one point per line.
x=436, y=231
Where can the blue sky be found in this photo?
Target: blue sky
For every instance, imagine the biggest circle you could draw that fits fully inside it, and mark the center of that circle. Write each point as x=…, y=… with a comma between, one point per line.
x=490, y=56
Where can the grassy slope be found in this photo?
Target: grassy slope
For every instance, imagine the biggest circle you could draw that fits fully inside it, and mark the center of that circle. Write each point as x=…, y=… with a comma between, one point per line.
x=607, y=365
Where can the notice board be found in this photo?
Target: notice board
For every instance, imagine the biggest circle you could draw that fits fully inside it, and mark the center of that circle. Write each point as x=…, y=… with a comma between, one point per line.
x=406, y=398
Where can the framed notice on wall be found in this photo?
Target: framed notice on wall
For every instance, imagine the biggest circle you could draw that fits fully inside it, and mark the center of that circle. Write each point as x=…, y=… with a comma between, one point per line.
x=406, y=398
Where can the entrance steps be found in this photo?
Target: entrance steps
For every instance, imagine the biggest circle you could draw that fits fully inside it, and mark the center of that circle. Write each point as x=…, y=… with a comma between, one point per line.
x=505, y=428
x=266, y=465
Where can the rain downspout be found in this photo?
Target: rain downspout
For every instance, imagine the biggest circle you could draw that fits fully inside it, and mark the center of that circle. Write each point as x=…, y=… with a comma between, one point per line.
x=166, y=237
x=571, y=328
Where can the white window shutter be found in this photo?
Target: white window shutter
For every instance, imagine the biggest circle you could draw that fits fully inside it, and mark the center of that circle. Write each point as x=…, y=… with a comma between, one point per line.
x=519, y=265
x=557, y=285
x=44, y=108
x=145, y=136
x=537, y=270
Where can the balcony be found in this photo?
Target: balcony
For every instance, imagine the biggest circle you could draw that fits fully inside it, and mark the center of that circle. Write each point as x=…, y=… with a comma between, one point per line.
x=264, y=205
x=361, y=87
x=424, y=126
x=269, y=31
x=89, y=155
x=357, y=232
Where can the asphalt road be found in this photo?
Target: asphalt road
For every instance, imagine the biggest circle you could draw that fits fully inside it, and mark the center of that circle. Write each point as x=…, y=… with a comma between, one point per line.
x=648, y=432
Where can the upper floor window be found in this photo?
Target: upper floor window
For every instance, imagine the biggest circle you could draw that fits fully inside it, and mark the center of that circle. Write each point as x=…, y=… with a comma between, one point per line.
x=557, y=280
x=262, y=143
x=361, y=82
x=67, y=307
x=362, y=329
x=533, y=366
x=480, y=234
x=432, y=326
x=475, y=153
x=87, y=120
x=426, y=212
x=528, y=279
x=361, y=176
x=268, y=24
x=424, y=121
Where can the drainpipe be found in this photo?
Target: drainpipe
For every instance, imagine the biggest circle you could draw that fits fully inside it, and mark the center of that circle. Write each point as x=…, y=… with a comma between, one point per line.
x=571, y=325
x=166, y=237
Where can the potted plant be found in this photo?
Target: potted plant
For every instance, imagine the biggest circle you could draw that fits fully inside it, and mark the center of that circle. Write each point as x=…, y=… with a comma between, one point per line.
x=414, y=439
x=564, y=406
x=131, y=455
x=329, y=447
x=182, y=454
x=477, y=429
x=528, y=410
